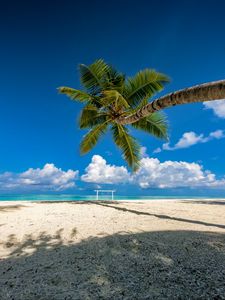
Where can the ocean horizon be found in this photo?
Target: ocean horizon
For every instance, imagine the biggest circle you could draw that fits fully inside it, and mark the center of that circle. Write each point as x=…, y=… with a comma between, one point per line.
x=71, y=197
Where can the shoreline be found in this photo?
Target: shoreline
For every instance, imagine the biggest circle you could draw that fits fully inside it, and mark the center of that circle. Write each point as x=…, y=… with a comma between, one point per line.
x=119, y=200
x=113, y=201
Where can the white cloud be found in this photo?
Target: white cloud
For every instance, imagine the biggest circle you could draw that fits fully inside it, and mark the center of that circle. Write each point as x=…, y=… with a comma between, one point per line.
x=189, y=139
x=217, y=106
x=171, y=174
x=98, y=171
x=49, y=178
x=157, y=150
x=218, y=134
x=144, y=152
x=152, y=174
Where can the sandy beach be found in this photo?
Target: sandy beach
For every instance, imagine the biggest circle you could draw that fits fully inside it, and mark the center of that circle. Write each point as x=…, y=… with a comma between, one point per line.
x=112, y=250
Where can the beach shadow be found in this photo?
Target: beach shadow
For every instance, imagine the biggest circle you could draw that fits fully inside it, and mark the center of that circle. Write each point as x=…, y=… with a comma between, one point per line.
x=152, y=265
x=107, y=203
x=210, y=202
x=159, y=215
x=8, y=208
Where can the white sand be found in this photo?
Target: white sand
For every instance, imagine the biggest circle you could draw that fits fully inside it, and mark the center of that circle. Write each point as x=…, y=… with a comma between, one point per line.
x=126, y=250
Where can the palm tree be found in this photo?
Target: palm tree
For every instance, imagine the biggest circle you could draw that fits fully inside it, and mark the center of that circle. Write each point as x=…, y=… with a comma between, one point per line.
x=113, y=102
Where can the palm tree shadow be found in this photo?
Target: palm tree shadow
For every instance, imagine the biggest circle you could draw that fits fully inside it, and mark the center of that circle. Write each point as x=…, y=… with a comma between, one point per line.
x=8, y=208
x=107, y=203
x=152, y=265
x=208, y=202
x=159, y=215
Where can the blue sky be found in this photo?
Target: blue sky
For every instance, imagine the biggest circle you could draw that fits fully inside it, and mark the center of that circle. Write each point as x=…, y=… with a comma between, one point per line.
x=42, y=44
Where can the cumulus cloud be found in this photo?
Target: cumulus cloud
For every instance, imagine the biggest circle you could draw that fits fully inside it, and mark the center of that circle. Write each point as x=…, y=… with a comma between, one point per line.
x=152, y=174
x=98, y=171
x=217, y=106
x=49, y=178
x=172, y=174
x=189, y=139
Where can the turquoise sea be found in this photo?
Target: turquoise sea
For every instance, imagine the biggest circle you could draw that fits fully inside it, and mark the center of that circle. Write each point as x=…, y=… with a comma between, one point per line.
x=66, y=197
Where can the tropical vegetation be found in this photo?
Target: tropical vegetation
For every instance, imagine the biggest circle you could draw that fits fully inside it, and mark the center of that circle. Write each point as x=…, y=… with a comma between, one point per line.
x=113, y=101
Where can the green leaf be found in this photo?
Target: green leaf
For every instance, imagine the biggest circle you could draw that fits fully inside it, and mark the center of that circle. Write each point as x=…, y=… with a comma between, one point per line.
x=92, y=76
x=90, y=117
x=92, y=137
x=156, y=124
x=115, y=98
x=106, y=96
x=138, y=107
x=128, y=144
x=76, y=95
x=114, y=79
x=144, y=85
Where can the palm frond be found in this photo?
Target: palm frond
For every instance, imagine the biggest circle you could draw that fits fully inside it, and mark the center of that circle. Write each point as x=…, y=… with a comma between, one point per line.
x=92, y=75
x=128, y=144
x=144, y=85
x=115, y=98
x=114, y=79
x=156, y=124
x=90, y=116
x=108, y=96
x=74, y=94
x=133, y=110
x=92, y=137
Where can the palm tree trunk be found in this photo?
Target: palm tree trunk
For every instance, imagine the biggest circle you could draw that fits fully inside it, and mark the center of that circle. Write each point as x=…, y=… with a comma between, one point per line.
x=199, y=93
